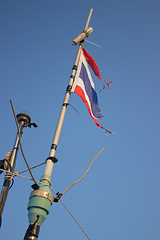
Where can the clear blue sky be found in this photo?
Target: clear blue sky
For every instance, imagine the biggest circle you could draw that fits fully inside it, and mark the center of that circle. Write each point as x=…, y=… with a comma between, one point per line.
x=119, y=197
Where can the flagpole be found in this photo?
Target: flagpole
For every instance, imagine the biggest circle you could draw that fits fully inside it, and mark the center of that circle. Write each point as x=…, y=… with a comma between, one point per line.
x=65, y=102
x=41, y=199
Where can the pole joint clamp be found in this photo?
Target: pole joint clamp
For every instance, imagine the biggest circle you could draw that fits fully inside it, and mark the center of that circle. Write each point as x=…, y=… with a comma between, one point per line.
x=74, y=67
x=68, y=90
x=53, y=159
x=72, y=76
x=54, y=146
x=42, y=193
x=65, y=104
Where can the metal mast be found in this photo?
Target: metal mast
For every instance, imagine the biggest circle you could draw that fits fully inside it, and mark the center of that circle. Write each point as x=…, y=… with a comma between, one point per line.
x=41, y=199
x=23, y=120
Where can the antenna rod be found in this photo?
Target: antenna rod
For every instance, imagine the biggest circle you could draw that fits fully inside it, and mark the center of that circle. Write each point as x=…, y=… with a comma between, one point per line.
x=89, y=17
x=41, y=199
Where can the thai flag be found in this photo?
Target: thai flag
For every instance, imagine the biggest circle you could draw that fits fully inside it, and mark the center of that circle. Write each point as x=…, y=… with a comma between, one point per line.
x=84, y=87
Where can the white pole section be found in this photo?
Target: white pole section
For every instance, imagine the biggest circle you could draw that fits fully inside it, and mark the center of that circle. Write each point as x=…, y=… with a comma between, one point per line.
x=50, y=162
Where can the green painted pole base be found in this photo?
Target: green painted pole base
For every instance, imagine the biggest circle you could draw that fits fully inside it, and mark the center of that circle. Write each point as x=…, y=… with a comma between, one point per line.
x=39, y=203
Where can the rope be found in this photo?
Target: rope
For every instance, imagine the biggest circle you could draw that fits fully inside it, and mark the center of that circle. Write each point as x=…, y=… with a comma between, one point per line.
x=9, y=176
x=92, y=43
x=72, y=107
x=33, y=167
x=21, y=143
x=85, y=172
x=74, y=219
x=17, y=174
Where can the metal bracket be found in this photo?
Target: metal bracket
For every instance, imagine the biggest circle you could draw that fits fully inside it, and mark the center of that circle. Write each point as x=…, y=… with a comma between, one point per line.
x=54, y=146
x=69, y=87
x=53, y=159
x=72, y=76
x=32, y=124
x=59, y=195
x=74, y=67
x=42, y=193
x=65, y=104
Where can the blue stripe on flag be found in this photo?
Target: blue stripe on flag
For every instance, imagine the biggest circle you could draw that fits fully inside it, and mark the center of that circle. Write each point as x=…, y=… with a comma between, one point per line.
x=90, y=92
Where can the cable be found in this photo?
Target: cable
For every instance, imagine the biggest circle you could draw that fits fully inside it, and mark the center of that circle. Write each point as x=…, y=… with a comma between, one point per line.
x=17, y=174
x=74, y=219
x=21, y=143
x=92, y=43
x=9, y=176
x=33, y=167
x=84, y=173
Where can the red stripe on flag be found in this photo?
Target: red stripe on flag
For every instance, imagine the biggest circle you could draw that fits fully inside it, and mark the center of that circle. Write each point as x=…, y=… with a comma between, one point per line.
x=79, y=91
x=92, y=63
